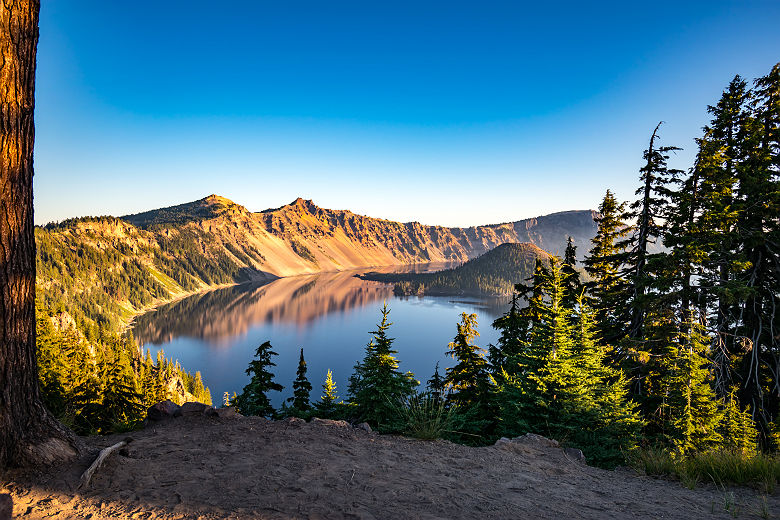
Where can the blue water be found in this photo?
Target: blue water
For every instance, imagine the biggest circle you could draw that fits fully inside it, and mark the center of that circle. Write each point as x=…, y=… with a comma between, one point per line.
x=330, y=315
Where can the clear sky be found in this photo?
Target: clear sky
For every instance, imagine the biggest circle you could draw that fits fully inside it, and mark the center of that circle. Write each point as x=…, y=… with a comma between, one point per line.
x=453, y=113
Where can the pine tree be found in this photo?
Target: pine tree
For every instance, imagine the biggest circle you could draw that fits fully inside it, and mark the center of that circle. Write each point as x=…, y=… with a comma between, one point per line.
x=326, y=406
x=608, y=288
x=691, y=409
x=737, y=427
x=513, y=327
x=301, y=389
x=253, y=399
x=571, y=276
x=563, y=387
x=377, y=385
x=469, y=380
x=436, y=386
x=758, y=232
x=650, y=211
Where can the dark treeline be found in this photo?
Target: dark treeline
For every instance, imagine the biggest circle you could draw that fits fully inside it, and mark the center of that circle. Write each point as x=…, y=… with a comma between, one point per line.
x=674, y=347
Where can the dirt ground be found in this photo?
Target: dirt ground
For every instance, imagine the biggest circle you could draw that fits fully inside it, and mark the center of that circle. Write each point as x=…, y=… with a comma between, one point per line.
x=209, y=468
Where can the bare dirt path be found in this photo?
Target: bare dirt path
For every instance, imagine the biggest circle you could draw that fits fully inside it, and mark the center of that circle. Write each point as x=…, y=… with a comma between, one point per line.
x=209, y=468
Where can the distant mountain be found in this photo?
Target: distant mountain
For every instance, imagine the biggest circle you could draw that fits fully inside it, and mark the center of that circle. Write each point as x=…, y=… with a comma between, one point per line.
x=301, y=237
x=109, y=269
x=493, y=274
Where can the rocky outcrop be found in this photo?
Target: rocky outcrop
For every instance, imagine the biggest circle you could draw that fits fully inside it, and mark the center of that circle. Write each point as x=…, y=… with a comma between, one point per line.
x=533, y=444
x=163, y=410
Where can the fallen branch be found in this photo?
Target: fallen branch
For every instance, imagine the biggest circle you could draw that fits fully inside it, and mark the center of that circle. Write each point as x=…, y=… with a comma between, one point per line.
x=104, y=453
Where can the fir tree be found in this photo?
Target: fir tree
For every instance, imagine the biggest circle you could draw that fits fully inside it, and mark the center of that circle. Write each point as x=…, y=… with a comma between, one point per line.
x=616, y=423
x=758, y=232
x=436, y=385
x=608, y=287
x=650, y=211
x=253, y=400
x=737, y=427
x=326, y=406
x=376, y=385
x=469, y=380
x=571, y=276
x=691, y=409
x=563, y=387
x=513, y=327
x=301, y=389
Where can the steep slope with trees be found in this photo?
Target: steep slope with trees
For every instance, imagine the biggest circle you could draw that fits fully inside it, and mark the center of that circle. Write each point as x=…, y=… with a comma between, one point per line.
x=493, y=274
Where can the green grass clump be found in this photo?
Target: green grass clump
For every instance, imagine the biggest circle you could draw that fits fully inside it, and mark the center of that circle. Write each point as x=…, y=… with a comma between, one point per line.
x=425, y=417
x=723, y=467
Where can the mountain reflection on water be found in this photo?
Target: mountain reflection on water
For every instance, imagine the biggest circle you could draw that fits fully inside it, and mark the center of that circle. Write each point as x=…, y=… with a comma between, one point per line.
x=330, y=315
x=224, y=313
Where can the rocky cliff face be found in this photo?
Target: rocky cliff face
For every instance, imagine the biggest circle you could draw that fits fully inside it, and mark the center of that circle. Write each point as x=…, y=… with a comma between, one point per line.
x=301, y=237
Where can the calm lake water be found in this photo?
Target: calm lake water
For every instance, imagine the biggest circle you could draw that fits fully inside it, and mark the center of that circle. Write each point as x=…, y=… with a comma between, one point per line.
x=330, y=315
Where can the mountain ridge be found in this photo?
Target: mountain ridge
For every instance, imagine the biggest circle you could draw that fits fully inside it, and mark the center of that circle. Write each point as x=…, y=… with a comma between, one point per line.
x=343, y=239
x=108, y=269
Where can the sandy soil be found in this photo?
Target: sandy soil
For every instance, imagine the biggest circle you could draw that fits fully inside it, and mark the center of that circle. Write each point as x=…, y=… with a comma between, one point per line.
x=207, y=468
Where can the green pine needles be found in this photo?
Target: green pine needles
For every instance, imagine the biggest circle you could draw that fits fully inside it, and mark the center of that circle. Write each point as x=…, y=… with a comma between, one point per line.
x=377, y=383
x=253, y=399
x=299, y=402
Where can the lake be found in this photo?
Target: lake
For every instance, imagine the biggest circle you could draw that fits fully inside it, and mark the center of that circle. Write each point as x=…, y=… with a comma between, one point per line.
x=330, y=315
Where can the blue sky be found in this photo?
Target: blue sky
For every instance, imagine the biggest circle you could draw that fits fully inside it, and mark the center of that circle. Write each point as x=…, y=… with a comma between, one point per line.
x=453, y=113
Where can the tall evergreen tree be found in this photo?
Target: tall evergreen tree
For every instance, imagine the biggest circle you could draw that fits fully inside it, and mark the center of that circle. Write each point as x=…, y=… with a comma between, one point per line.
x=650, y=210
x=469, y=380
x=571, y=276
x=608, y=288
x=253, y=399
x=376, y=384
x=759, y=243
x=691, y=409
x=513, y=327
x=301, y=388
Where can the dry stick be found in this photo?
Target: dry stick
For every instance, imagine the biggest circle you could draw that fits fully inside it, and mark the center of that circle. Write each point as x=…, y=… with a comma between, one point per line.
x=104, y=453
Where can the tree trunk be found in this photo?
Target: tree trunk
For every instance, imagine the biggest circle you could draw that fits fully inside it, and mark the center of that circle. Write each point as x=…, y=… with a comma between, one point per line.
x=28, y=433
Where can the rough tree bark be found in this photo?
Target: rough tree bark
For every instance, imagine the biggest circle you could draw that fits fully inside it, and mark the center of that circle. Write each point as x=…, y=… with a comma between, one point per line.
x=29, y=435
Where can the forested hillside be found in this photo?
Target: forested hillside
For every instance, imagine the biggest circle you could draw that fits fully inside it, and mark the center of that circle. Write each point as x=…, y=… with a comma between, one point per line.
x=495, y=273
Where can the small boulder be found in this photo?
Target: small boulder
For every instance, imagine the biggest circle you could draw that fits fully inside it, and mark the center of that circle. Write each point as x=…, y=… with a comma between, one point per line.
x=193, y=408
x=364, y=426
x=575, y=455
x=163, y=410
x=6, y=507
x=295, y=421
x=227, y=412
x=330, y=422
x=210, y=411
x=533, y=438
